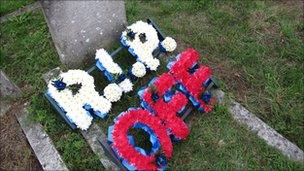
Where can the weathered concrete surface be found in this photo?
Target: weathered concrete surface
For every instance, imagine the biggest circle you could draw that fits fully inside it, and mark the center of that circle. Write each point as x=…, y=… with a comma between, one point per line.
x=272, y=137
x=40, y=142
x=4, y=107
x=219, y=95
x=28, y=8
x=256, y=125
x=51, y=74
x=8, y=93
x=15, y=151
x=92, y=134
x=78, y=28
x=8, y=89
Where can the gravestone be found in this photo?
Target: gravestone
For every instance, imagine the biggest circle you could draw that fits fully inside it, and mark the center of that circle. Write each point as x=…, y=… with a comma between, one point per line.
x=78, y=28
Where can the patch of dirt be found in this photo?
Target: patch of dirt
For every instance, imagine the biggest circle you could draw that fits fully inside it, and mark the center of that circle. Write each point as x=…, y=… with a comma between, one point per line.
x=227, y=9
x=293, y=5
x=232, y=76
x=194, y=21
x=296, y=8
x=223, y=69
x=15, y=152
x=258, y=21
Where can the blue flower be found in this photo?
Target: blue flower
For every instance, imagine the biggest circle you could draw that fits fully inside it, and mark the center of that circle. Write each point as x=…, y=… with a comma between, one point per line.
x=207, y=82
x=59, y=84
x=142, y=37
x=131, y=34
x=193, y=68
x=155, y=97
x=206, y=96
x=131, y=76
x=121, y=78
x=161, y=160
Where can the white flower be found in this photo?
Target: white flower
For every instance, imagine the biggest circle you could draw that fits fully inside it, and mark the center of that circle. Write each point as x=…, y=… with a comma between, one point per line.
x=138, y=69
x=107, y=62
x=101, y=104
x=112, y=92
x=83, y=120
x=169, y=44
x=141, y=27
x=153, y=64
x=126, y=85
x=73, y=104
x=143, y=50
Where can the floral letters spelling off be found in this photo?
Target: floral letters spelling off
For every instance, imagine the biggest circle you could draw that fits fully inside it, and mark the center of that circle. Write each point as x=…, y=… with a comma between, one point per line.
x=163, y=102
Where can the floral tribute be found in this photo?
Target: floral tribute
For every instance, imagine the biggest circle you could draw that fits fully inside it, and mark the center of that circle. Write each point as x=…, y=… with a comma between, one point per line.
x=162, y=105
x=74, y=91
x=163, y=100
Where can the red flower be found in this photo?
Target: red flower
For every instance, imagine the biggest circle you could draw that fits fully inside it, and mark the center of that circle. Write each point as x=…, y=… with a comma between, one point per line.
x=164, y=120
x=167, y=111
x=127, y=151
x=193, y=82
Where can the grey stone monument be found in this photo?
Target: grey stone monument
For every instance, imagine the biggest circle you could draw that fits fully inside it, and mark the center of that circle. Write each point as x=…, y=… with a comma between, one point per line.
x=78, y=28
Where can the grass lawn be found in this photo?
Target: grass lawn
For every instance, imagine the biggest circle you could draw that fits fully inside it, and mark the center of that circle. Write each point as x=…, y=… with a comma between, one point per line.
x=7, y=6
x=261, y=67
x=255, y=48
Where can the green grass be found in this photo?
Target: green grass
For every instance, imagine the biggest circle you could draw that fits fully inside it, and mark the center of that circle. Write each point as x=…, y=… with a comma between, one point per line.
x=216, y=142
x=255, y=48
x=26, y=53
x=7, y=6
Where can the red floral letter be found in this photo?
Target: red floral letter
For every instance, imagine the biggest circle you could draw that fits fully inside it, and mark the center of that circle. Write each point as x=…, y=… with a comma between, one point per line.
x=123, y=146
x=192, y=76
x=167, y=111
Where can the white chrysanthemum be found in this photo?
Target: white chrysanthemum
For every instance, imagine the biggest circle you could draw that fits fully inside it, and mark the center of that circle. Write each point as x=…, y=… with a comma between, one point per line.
x=112, y=92
x=142, y=27
x=126, y=85
x=107, y=62
x=83, y=120
x=138, y=69
x=143, y=50
x=100, y=104
x=153, y=64
x=169, y=44
x=73, y=104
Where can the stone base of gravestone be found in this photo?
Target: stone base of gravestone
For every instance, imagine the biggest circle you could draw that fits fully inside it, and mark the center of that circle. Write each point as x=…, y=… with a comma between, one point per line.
x=78, y=28
x=8, y=93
